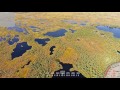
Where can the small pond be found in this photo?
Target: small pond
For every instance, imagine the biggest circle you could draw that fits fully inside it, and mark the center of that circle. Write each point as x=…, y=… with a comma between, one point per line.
x=14, y=40
x=18, y=29
x=52, y=49
x=83, y=23
x=57, y=33
x=2, y=39
x=43, y=42
x=66, y=73
x=73, y=31
x=35, y=29
x=20, y=49
x=118, y=52
x=115, y=31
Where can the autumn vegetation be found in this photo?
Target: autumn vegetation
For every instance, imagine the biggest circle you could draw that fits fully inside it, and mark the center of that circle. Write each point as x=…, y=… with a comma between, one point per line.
x=87, y=50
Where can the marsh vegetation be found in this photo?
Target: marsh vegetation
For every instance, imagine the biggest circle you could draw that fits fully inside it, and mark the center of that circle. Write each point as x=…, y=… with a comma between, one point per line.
x=77, y=39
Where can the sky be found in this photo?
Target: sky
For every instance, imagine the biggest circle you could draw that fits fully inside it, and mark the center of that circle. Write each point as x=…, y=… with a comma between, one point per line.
x=7, y=19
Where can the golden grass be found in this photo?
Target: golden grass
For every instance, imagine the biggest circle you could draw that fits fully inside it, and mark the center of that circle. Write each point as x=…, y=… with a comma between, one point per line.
x=91, y=55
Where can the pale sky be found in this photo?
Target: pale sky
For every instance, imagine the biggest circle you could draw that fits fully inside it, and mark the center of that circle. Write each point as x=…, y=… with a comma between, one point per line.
x=7, y=19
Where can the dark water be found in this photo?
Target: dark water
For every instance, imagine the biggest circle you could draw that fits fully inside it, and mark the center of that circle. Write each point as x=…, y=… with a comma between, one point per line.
x=43, y=42
x=115, y=31
x=83, y=23
x=52, y=49
x=57, y=33
x=20, y=49
x=66, y=73
x=118, y=52
x=18, y=29
x=72, y=30
x=14, y=40
x=2, y=39
x=35, y=29
x=10, y=41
